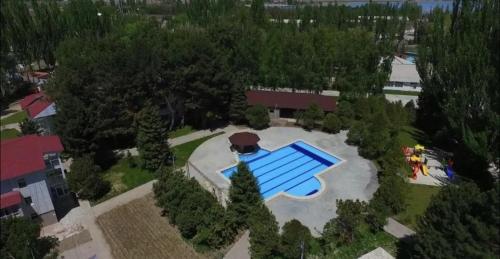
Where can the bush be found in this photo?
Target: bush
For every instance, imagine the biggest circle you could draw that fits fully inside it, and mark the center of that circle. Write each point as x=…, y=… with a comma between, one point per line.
x=131, y=160
x=258, y=117
x=310, y=116
x=344, y=228
x=85, y=180
x=345, y=114
x=264, y=236
x=356, y=133
x=29, y=127
x=332, y=123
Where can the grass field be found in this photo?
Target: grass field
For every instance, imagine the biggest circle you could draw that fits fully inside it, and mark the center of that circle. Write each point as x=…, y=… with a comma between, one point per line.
x=137, y=230
x=181, y=132
x=9, y=133
x=123, y=177
x=418, y=198
x=17, y=117
x=399, y=92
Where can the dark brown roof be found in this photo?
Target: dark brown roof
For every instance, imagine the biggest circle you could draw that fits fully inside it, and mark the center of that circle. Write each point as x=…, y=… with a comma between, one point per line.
x=244, y=139
x=297, y=101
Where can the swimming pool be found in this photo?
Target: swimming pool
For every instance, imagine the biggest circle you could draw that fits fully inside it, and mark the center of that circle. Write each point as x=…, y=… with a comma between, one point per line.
x=289, y=169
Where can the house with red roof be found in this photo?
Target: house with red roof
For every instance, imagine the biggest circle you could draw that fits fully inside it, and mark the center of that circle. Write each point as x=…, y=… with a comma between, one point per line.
x=32, y=178
x=40, y=109
x=285, y=104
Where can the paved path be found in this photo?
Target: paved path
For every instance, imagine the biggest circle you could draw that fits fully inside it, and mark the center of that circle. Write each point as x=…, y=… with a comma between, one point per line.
x=240, y=249
x=13, y=108
x=397, y=229
x=186, y=138
x=15, y=126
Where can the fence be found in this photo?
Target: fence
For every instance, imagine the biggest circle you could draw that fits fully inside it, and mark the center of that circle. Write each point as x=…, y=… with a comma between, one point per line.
x=219, y=193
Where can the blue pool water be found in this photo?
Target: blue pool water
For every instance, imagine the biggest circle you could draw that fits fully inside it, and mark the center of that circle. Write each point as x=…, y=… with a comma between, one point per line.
x=291, y=169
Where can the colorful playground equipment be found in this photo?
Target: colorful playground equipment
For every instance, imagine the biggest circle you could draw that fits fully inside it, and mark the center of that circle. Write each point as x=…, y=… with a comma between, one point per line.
x=416, y=159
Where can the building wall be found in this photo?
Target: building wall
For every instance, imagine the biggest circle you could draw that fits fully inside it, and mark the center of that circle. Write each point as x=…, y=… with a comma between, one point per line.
x=46, y=125
x=36, y=188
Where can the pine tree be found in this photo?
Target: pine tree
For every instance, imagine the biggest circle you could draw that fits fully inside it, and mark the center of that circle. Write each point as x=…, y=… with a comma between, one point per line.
x=264, y=236
x=244, y=194
x=295, y=239
x=152, y=138
x=238, y=105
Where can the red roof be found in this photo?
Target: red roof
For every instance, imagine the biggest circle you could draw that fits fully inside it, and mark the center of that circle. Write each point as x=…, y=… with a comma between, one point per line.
x=24, y=155
x=38, y=106
x=27, y=100
x=289, y=100
x=10, y=199
x=244, y=139
x=40, y=75
x=34, y=104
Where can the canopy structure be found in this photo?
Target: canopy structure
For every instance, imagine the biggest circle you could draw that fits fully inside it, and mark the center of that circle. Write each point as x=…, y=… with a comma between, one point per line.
x=244, y=142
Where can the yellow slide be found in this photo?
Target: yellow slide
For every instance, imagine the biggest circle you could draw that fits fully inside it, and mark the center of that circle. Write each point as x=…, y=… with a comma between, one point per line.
x=425, y=170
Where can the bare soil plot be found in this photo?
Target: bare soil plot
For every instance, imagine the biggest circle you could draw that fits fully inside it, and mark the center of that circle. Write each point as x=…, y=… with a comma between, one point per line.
x=137, y=230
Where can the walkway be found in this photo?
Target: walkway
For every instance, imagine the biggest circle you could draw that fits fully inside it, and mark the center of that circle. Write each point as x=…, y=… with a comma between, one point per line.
x=240, y=249
x=84, y=217
x=397, y=229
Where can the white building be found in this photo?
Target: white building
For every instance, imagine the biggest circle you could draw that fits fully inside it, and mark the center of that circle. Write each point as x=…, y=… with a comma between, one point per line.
x=404, y=76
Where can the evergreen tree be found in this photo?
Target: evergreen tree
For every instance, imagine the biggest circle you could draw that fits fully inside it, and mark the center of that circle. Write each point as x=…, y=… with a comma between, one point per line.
x=257, y=10
x=85, y=179
x=344, y=228
x=264, y=236
x=152, y=138
x=460, y=222
x=29, y=127
x=244, y=194
x=311, y=115
x=295, y=240
x=238, y=105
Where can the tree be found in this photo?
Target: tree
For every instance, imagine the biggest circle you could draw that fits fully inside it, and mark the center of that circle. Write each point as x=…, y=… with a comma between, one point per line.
x=244, y=194
x=460, y=222
x=460, y=100
x=85, y=178
x=257, y=10
x=29, y=127
x=19, y=238
x=295, y=240
x=238, y=105
x=311, y=115
x=356, y=133
x=343, y=229
x=152, y=138
x=264, y=236
x=345, y=114
x=377, y=138
x=332, y=123
x=258, y=117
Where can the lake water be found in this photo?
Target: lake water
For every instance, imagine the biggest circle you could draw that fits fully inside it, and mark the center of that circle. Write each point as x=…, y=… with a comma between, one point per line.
x=427, y=6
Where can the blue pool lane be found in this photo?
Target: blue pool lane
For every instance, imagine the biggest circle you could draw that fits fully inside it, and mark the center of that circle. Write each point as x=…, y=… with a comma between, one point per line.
x=291, y=169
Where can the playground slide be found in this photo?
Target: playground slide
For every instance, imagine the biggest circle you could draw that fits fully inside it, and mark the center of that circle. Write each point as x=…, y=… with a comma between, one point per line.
x=425, y=170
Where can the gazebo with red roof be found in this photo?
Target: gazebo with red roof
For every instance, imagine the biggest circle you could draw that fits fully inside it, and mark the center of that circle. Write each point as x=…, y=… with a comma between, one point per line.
x=244, y=142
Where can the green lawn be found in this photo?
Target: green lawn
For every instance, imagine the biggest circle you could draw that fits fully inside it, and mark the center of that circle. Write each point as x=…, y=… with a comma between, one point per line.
x=399, y=92
x=418, y=198
x=366, y=243
x=123, y=177
x=181, y=132
x=9, y=133
x=14, y=118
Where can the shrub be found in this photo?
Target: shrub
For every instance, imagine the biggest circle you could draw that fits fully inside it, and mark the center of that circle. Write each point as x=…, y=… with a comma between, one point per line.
x=29, y=127
x=264, y=236
x=345, y=114
x=311, y=115
x=356, y=133
x=258, y=117
x=332, y=123
x=344, y=228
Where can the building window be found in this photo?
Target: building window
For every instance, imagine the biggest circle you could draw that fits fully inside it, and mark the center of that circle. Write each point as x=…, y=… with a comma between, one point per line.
x=28, y=200
x=21, y=183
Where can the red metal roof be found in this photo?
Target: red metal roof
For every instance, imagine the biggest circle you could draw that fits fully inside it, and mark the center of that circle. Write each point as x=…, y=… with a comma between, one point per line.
x=290, y=100
x=27, y=100
x=10, y=199
x=38, y=106
x=24, y=155
x=244, y=139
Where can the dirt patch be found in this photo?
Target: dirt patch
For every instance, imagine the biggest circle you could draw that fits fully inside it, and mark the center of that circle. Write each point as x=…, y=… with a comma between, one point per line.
x=137, y=230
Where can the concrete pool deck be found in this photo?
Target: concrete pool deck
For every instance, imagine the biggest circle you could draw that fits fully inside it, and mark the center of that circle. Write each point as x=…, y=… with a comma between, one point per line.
x=354, y=178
